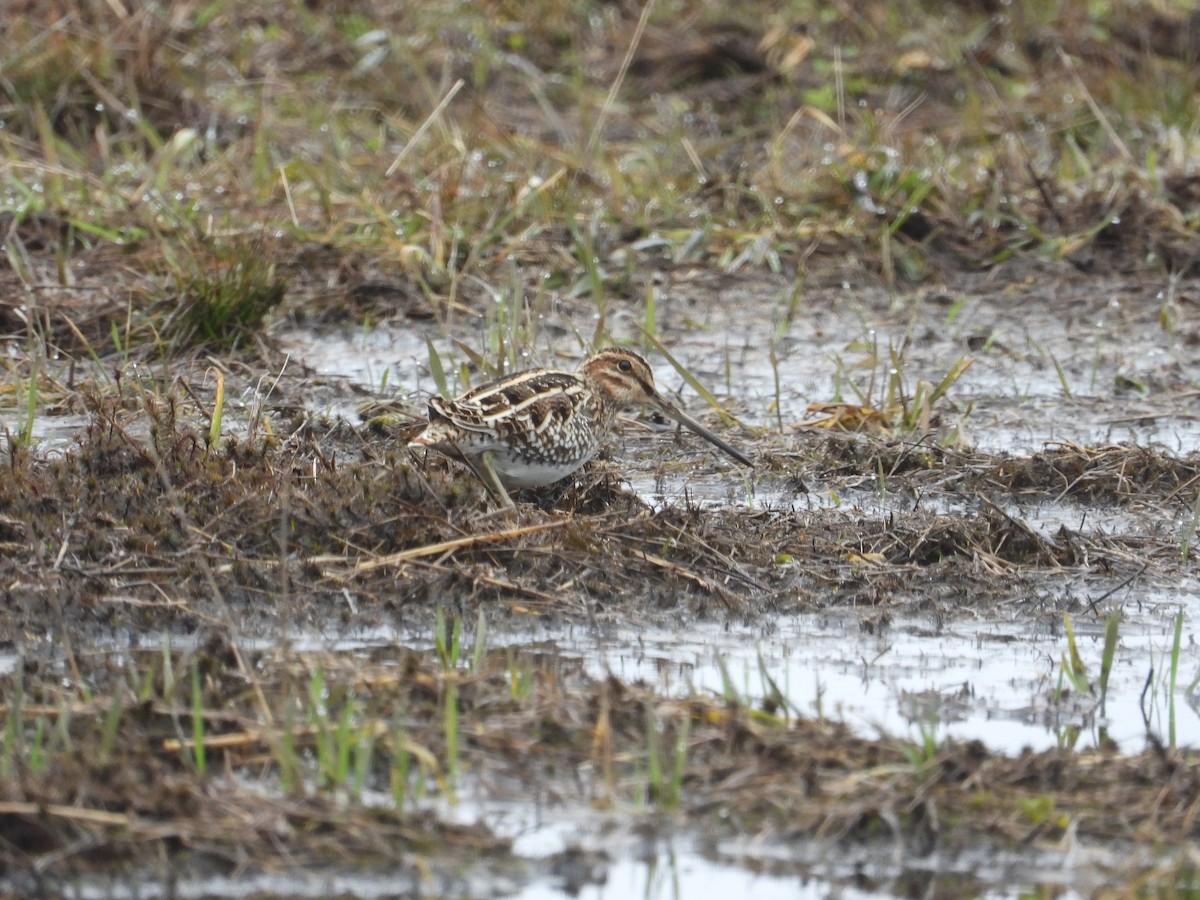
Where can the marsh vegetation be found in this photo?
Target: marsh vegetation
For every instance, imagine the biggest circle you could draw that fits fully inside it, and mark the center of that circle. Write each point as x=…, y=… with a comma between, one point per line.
x=934, y=263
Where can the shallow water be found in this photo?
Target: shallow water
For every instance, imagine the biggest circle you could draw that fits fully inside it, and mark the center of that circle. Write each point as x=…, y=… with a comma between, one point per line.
x=616, y=864
x=571, y=850
x=1011, y=399
x=46, y=433
x=1035, y=377
x=997, y=682
x=672, y=871
x=971, y=679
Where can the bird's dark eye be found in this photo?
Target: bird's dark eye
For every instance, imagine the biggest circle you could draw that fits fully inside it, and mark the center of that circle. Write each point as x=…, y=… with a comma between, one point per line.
x=625, y=365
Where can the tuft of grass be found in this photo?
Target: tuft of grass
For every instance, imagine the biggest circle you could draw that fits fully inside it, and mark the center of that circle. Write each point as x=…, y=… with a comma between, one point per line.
x=1073, y=667
x=223, y=299
x=884, y=403
x=924, y=749
x=917, y=414
x=666, y=765
x=447, y=638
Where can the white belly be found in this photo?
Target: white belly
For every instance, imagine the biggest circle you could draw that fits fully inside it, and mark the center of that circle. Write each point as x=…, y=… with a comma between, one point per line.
x=515, y=472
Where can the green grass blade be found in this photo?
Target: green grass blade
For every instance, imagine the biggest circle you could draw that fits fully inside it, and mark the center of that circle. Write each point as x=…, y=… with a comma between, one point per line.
x=1112, y=624
x=1073, y=664
x=198, y=752
x=1176, y=644
x=436, y=369
x=692, y=381
x=218, y=413
x=450, y=724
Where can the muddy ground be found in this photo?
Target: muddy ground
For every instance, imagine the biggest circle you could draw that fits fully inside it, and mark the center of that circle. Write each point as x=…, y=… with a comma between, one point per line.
x=155, y=585
x=937, y=263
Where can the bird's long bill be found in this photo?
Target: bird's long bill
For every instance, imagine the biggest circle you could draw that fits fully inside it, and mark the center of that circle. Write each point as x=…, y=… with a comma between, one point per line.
x=688, y=422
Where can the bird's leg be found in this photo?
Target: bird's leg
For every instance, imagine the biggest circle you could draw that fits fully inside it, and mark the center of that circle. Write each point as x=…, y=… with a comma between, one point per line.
x=487, y=474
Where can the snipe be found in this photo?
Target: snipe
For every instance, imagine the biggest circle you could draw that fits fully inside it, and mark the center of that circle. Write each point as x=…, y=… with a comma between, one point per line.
x=537, y=427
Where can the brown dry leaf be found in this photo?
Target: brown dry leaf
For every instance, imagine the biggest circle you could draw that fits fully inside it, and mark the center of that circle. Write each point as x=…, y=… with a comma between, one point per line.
x=918, y=60
x=851, y=417
x=785, y=48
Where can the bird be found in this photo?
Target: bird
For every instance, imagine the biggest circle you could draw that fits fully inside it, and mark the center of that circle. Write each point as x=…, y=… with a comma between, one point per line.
x=536, y=427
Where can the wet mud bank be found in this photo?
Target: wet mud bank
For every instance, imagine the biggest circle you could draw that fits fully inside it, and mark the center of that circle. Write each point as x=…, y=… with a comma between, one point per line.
x=173, y=612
